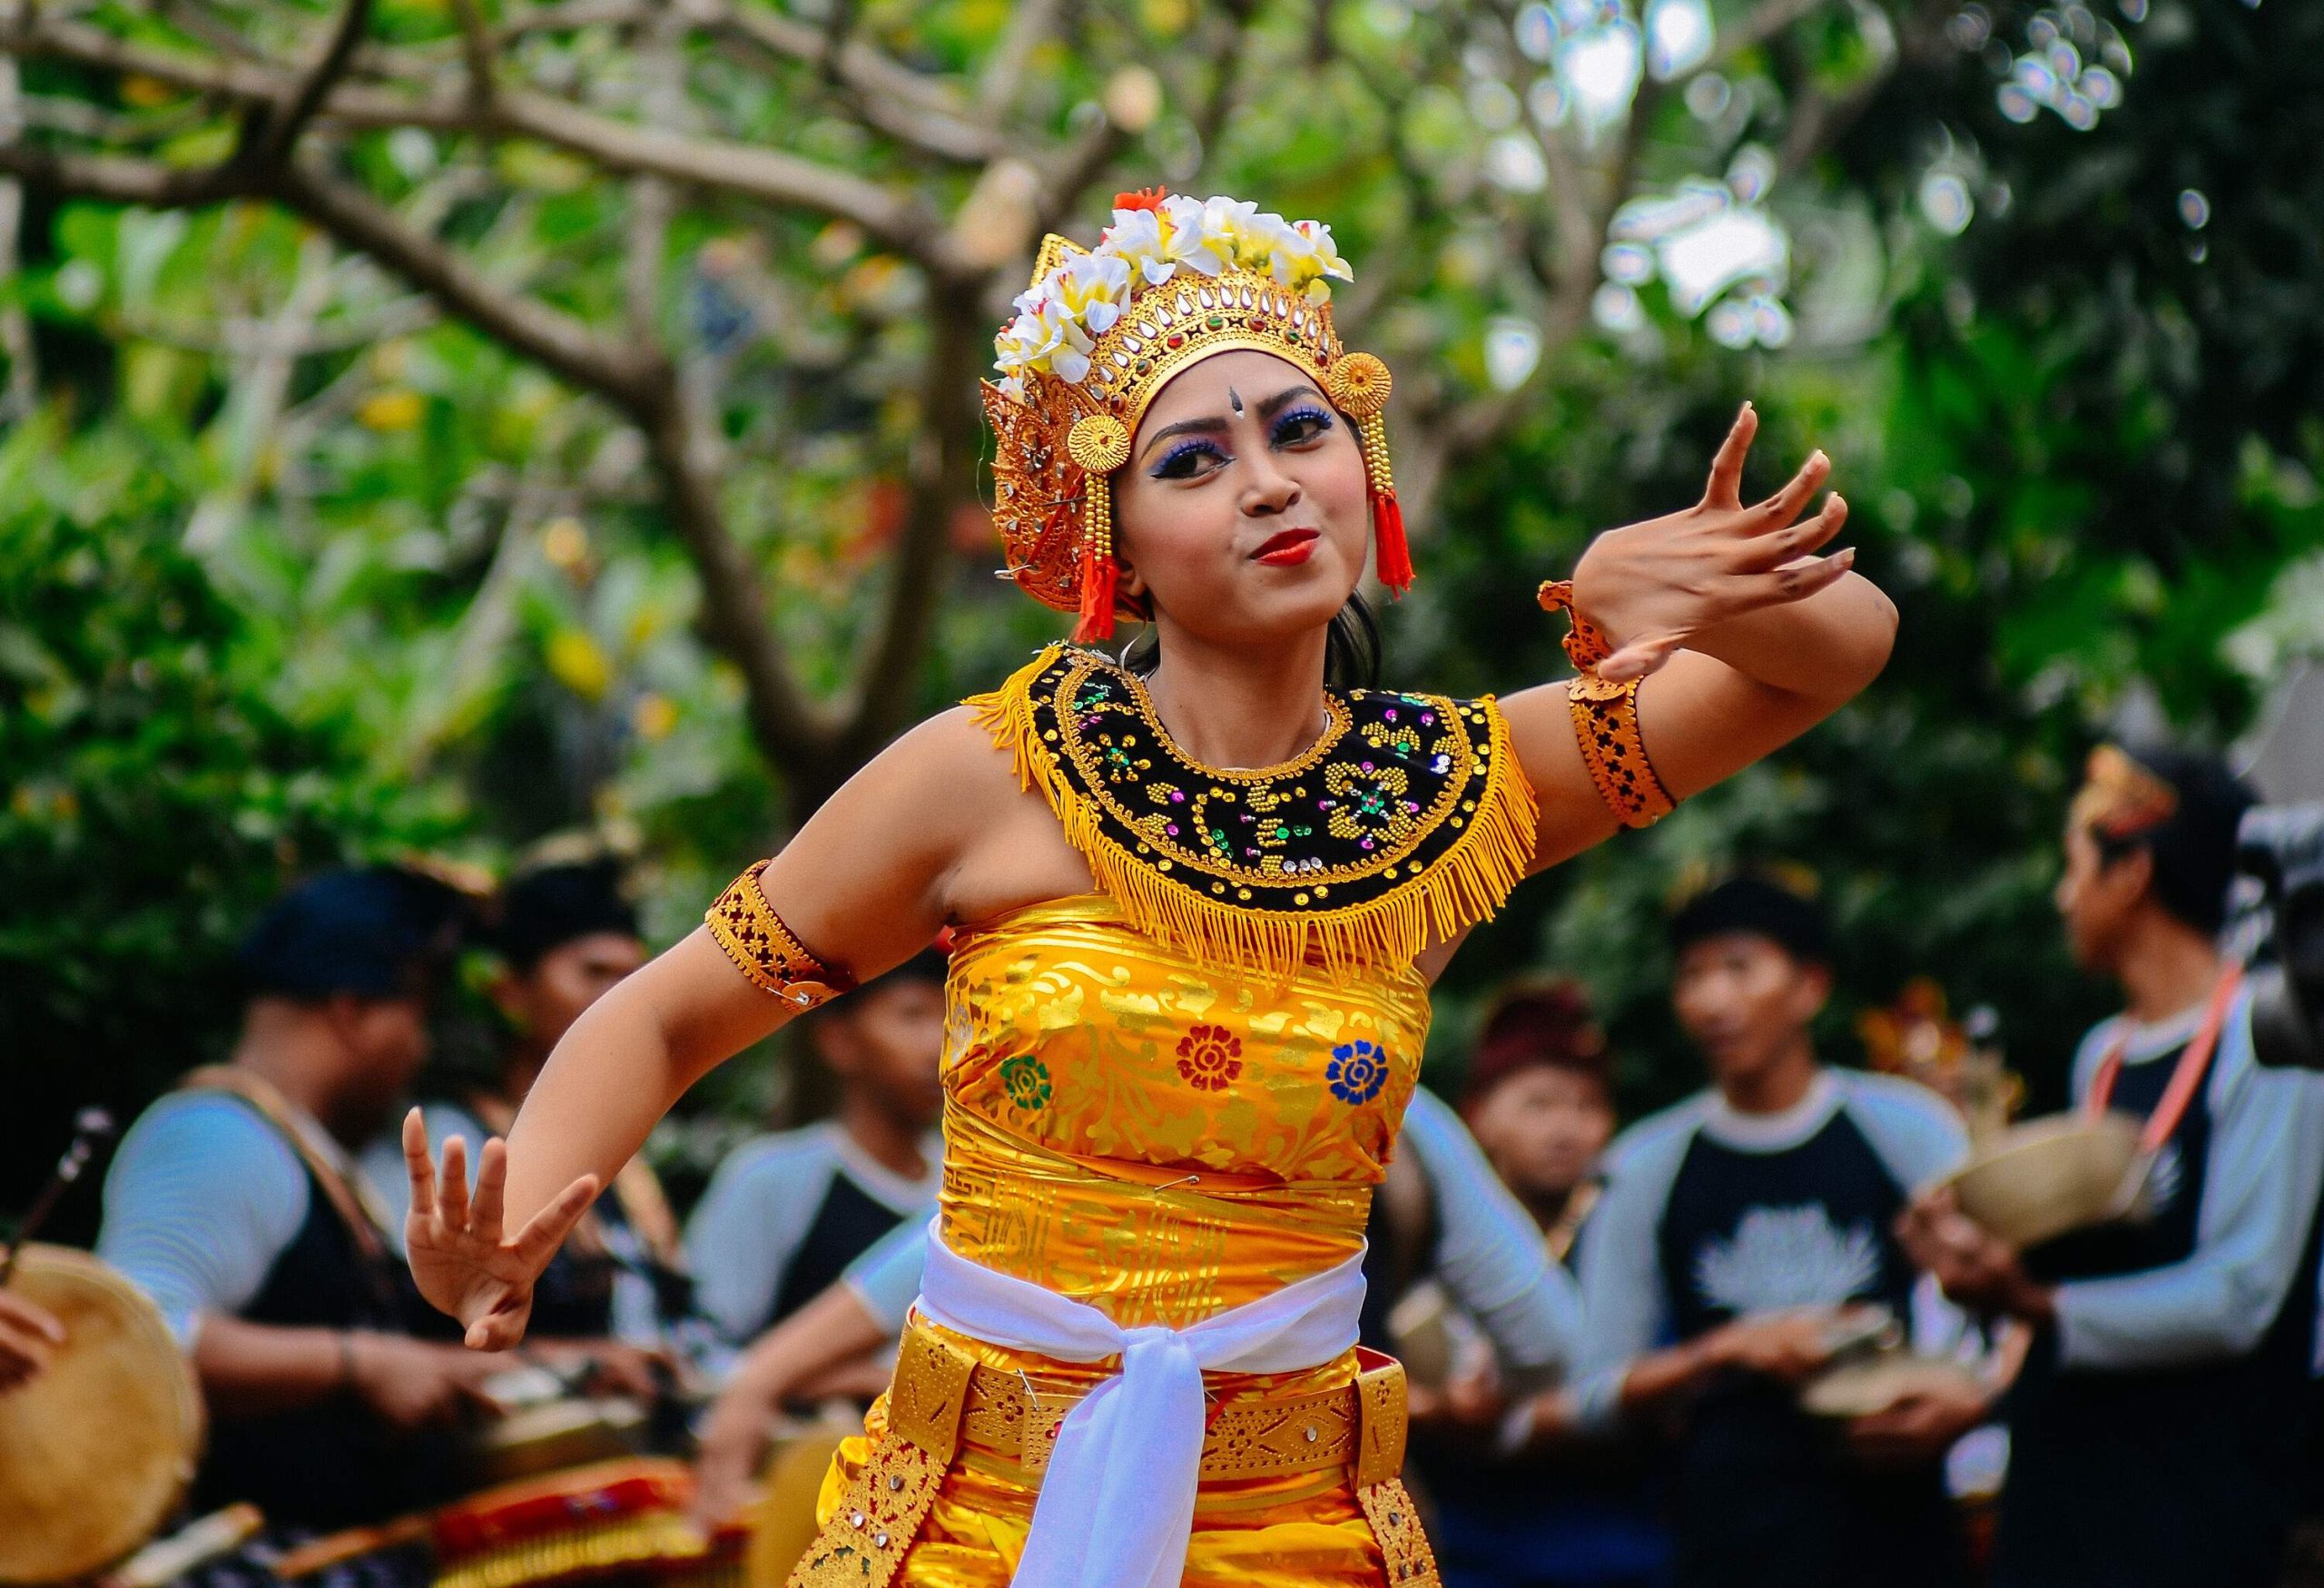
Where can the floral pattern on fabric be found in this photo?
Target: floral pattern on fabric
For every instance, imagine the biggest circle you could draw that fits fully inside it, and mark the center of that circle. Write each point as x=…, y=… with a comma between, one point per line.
x=1025, y=1081
x=1209, y=1057
x=1357, y=1072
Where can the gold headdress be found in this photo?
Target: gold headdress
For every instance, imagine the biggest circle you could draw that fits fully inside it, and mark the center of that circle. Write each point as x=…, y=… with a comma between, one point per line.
x=2121, y=799
x=1101, y=331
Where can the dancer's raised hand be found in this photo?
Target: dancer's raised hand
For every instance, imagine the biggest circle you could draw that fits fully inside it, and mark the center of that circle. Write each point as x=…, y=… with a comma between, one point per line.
x=465, y=1265
x=1649, y=586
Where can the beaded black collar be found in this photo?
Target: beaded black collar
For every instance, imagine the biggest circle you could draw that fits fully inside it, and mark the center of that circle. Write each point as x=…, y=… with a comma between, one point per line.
x=1404, y=818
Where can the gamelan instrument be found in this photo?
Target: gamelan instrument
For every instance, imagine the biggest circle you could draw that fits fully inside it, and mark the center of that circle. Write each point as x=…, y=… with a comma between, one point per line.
x=617, y=1523
x=2047, y=1178
x=96, y=1451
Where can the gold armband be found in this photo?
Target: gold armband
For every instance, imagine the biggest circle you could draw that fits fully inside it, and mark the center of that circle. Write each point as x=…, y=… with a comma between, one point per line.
x=767, y=952
x=1605, y=721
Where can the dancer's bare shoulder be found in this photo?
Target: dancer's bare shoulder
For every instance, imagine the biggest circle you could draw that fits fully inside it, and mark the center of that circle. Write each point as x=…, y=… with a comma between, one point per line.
x=934, y=831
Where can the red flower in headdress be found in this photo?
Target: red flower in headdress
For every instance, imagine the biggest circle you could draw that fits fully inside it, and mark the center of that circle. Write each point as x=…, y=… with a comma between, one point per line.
x=1145, y=198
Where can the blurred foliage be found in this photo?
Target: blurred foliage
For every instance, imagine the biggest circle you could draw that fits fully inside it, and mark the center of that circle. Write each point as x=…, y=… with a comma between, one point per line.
x=295, y=570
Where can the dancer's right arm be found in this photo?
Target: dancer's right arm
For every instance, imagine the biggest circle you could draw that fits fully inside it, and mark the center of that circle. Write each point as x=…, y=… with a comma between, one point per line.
x=868, y=881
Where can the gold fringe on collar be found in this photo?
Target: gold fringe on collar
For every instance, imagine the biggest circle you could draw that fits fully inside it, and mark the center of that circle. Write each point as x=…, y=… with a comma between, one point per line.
x=1495, y=820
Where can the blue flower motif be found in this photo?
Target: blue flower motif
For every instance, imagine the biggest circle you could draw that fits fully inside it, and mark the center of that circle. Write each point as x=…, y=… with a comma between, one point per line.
x=1357, y=1072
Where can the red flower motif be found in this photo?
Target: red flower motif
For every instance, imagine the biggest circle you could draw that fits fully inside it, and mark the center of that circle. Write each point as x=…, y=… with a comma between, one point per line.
x=1144, y=198
x=1209, y=1057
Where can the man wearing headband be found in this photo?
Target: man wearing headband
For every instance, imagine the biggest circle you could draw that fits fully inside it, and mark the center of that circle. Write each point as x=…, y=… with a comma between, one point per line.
x=233, y=1202
x=1742, y=1235
x=1198, y=903
x=2156, y=1427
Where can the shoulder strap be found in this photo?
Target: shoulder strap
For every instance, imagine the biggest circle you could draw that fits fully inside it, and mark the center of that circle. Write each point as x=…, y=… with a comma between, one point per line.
x=354, y=1204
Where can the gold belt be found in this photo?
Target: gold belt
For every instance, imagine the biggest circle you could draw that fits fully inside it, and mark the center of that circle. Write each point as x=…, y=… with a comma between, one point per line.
x=946, y=1407
x=1010, y=1423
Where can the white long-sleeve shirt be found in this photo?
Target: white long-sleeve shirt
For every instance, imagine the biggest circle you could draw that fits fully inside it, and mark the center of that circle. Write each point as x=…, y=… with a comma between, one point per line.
x=1780, y=1255
x=2263, y=1177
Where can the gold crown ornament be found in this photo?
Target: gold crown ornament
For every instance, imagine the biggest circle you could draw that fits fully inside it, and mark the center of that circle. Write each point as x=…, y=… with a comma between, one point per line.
x=1101, y=331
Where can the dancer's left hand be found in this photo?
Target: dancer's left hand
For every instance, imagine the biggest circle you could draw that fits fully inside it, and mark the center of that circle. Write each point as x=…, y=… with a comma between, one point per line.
x=1649, y=586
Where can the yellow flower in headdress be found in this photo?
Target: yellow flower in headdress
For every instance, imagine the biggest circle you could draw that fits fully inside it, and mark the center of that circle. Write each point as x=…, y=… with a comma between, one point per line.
x=1159, y=240
x=1307, y=261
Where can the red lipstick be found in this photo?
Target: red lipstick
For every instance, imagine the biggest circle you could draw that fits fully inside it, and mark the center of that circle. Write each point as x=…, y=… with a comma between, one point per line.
x=1287, y=549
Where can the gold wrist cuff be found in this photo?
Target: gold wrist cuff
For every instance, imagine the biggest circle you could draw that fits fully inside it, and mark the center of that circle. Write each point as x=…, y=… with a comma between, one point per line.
x=1585, y=644
x=1605, y=724
x=767, y=952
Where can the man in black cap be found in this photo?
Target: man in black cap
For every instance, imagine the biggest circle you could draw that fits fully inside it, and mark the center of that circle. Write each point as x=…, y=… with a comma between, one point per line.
x=1741, y=1238
x=233, y=1202
x=564, y=932
x=2155, y=1429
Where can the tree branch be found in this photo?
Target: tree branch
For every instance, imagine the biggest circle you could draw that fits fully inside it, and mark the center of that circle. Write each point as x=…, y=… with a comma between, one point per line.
x=475, y=50
x=279, y=129
x=940, y=477
x=769, y=175
x=892, y=98
x=788, y=728
x=547, y=335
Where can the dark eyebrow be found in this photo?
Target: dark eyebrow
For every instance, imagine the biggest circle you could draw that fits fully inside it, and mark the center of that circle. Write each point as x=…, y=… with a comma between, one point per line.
x=1215, y=423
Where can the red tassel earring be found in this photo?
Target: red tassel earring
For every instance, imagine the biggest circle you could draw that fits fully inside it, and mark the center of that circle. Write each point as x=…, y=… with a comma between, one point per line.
x=1099, y=444
x=1358, y=386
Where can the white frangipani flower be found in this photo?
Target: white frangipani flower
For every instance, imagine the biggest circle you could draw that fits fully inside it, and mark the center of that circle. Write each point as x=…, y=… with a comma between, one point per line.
x=1060, y=319
x=1093, y=287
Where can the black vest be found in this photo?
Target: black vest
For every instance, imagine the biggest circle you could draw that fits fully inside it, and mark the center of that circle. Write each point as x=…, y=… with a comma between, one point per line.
x=331, y=1465
x=2173, y=1477
x=848, y=1222
x=1765, y=1492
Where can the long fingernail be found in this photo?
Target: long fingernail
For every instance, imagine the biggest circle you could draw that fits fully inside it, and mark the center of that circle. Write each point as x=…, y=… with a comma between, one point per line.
x=1847, y=556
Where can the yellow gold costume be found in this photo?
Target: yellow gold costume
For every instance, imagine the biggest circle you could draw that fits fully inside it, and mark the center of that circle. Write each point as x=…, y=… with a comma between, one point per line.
x=1141, y=1120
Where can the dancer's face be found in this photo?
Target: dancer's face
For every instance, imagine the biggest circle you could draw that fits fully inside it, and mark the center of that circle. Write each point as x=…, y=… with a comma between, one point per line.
x=1241, y=515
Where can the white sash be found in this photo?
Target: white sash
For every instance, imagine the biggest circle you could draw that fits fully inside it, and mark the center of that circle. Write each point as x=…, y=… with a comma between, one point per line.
x=1117, y=1504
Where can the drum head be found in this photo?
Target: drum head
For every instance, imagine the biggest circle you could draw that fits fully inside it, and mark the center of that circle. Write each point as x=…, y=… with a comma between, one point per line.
x=96, y=1452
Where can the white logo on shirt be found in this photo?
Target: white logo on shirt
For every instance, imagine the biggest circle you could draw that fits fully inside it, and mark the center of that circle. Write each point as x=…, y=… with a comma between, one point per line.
x=1786, y=1258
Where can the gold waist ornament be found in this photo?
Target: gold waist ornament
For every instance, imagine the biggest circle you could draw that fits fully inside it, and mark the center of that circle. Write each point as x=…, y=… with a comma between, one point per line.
x=947, y=1409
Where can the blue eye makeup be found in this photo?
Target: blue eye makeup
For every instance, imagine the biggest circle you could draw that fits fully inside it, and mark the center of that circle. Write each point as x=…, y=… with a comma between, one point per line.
x=1179, y=462
x=1301, y=424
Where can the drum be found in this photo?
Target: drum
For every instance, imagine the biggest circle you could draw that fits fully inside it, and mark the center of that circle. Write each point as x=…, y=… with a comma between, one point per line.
x=97, y=1450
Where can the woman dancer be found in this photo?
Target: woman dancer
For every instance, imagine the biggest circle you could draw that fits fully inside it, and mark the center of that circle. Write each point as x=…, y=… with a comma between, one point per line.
x=1197, y=910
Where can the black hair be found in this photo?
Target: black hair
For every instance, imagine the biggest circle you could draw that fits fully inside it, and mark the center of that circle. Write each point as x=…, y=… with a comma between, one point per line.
x=544, y=909
x=2193, y=848
x=376, y=931
x=1351, y=650
x=1760, y=906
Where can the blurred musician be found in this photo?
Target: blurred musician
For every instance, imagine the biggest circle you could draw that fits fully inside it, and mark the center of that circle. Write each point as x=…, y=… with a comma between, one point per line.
x=786, y=1214
x=2155, y=1428
x=233, y=1202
